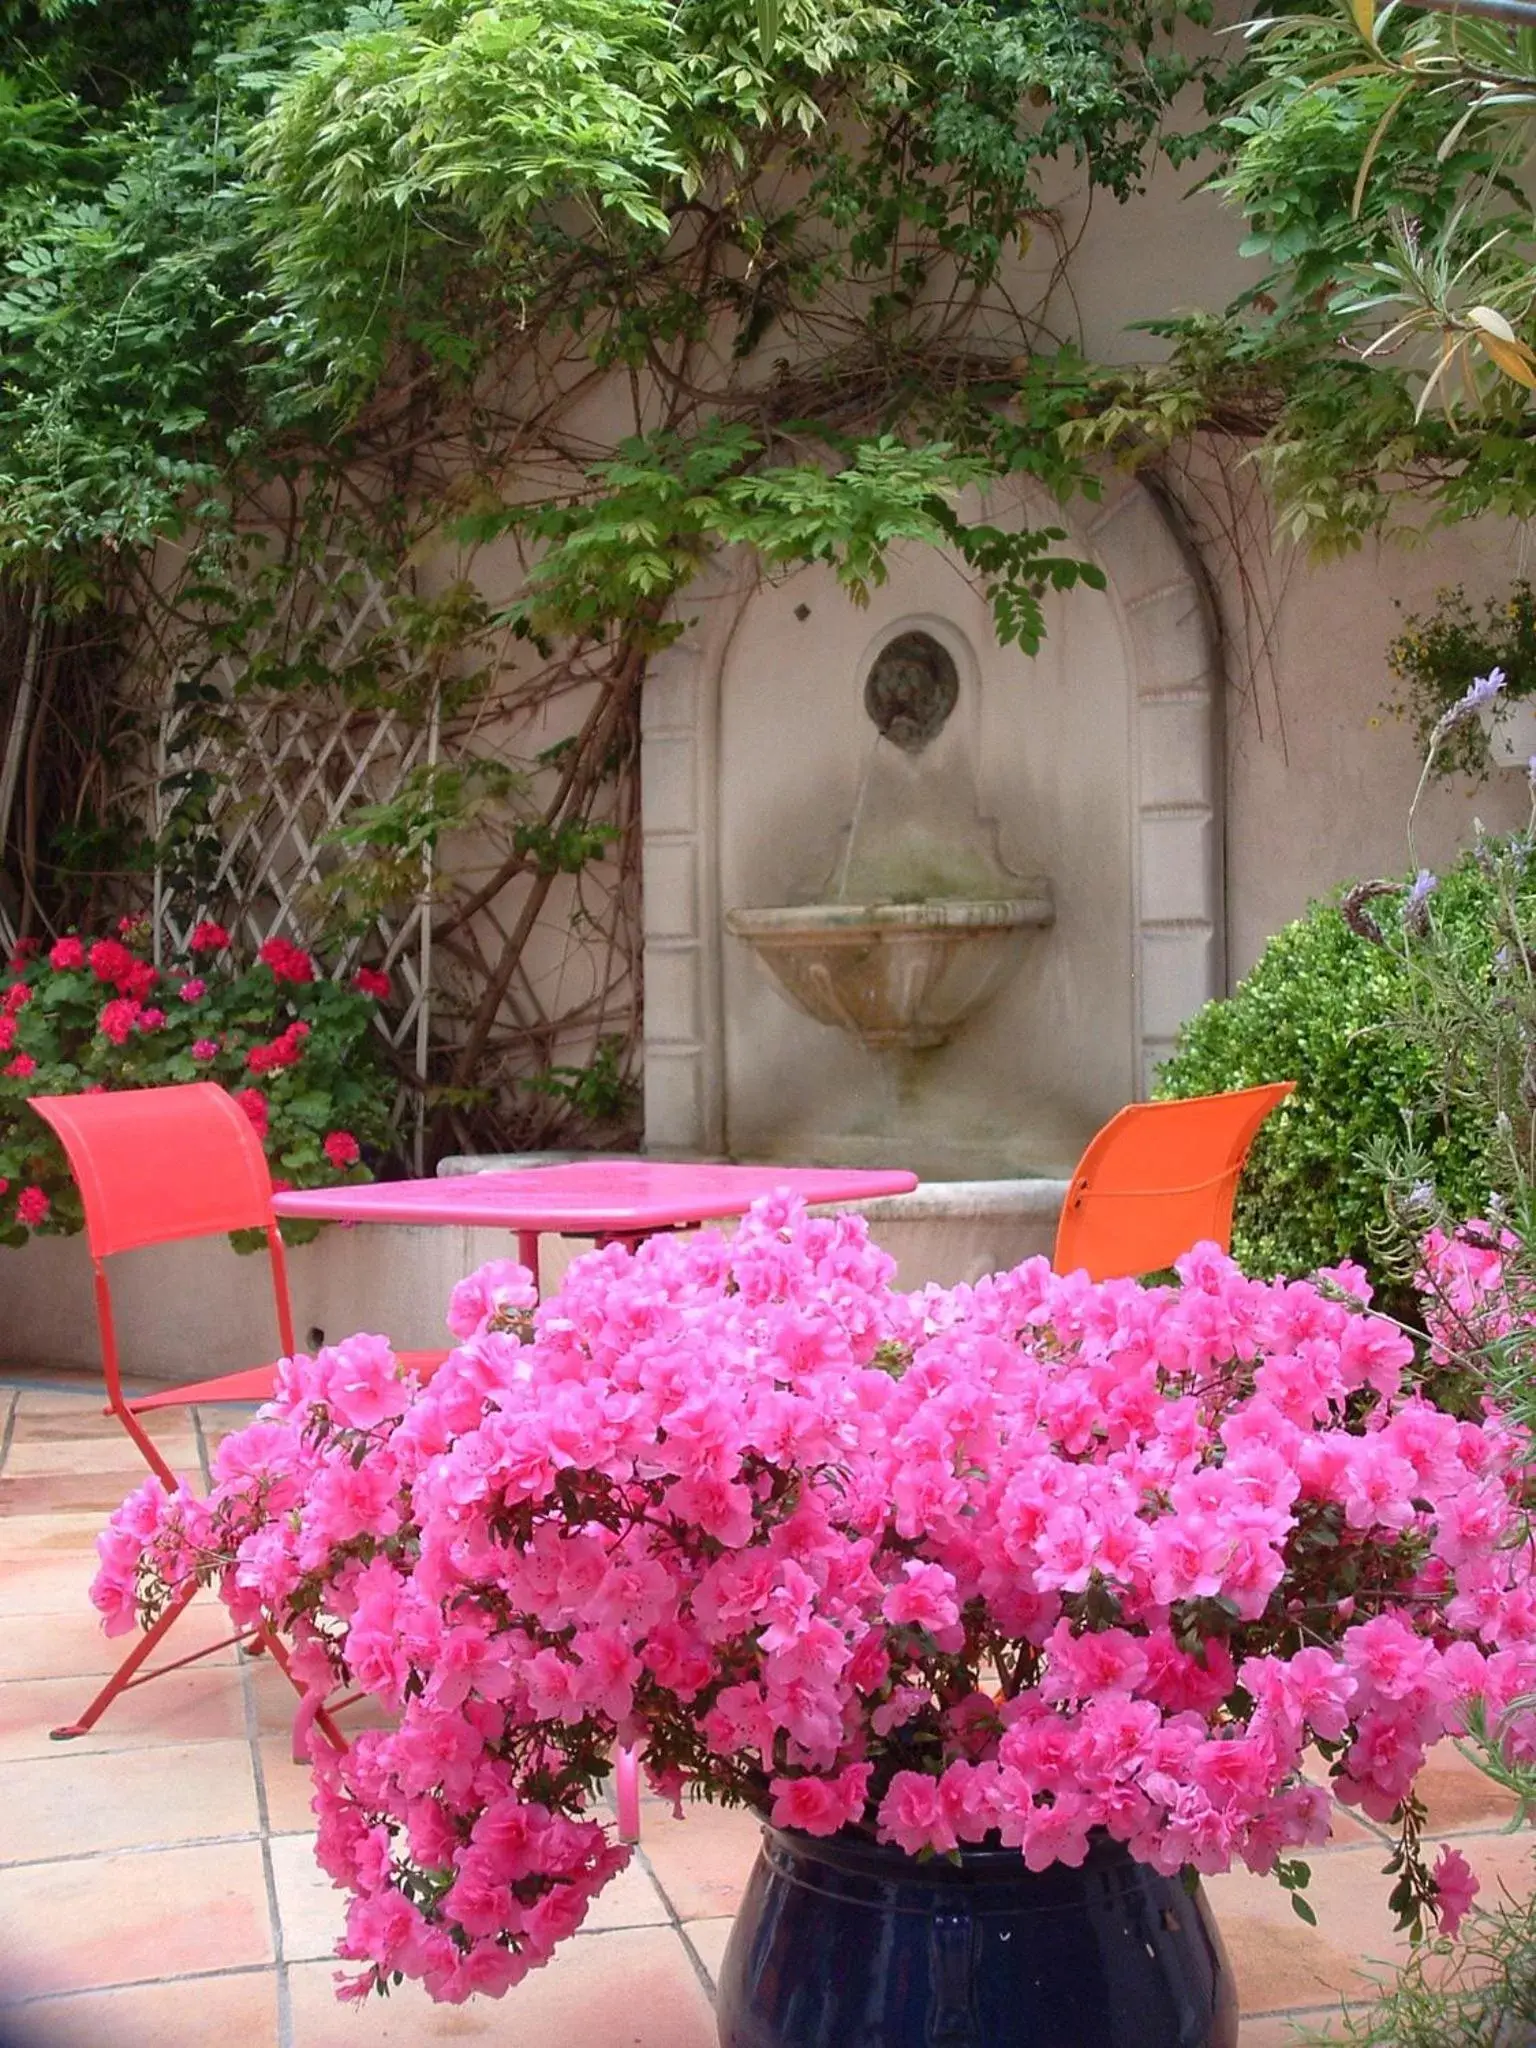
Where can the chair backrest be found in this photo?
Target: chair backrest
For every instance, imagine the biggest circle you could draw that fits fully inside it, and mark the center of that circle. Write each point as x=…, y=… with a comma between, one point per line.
x=1157, y=1179
x=157, y=1164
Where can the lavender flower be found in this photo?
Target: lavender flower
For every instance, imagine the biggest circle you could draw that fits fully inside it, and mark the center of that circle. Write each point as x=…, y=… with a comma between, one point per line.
x=1415, y=910
x=1483, y=691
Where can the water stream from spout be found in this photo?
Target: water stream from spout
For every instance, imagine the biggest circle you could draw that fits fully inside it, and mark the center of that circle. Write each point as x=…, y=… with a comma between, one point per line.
x=861, y=797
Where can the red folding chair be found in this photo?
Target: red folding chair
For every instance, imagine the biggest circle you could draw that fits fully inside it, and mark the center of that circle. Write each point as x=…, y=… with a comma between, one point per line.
x=156, y=1166
x=1159, y=1178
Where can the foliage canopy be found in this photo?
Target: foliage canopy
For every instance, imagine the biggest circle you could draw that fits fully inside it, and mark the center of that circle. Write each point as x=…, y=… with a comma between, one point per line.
x=617, y=283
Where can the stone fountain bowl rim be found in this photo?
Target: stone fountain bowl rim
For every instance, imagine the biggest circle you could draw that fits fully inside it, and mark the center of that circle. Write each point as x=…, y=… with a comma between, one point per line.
x=942, y=913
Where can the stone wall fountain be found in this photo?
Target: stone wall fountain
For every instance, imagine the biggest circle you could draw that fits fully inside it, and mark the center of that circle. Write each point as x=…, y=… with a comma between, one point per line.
x=917, y=899
x=922, y=924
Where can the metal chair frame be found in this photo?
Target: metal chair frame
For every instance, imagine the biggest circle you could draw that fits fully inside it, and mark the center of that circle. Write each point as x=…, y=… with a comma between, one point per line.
x=218, y=1181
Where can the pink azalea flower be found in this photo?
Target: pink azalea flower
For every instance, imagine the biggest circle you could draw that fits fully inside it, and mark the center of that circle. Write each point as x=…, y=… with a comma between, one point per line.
x=1456, y=1886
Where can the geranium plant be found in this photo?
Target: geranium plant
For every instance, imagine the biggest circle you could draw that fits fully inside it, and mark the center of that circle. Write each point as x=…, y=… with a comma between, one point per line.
x=299, y=1052
x=1012, y=1562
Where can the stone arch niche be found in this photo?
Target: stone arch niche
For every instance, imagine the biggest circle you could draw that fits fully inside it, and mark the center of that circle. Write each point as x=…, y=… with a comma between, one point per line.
x=1096, y=765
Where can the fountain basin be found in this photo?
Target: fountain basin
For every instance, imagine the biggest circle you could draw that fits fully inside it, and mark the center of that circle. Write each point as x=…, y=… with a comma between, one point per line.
x=894, y=975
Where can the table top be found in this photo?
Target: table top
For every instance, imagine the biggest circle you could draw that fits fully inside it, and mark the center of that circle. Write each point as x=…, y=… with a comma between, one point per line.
x=600, y=1197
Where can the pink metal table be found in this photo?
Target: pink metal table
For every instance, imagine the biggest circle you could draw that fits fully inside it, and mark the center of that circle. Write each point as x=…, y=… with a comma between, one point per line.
x=624, y=1199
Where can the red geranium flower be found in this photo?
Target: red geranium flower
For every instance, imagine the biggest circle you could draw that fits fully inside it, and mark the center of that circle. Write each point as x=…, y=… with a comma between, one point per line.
x=17, y=998
x=112, y=962
x=22, y=1066
x=372, y=982
x=32, y=1207
x=287, y=961
x=118, y=1019
x=342, y=1149
x=207, y=938
x=254, y=1103
x=67, y=954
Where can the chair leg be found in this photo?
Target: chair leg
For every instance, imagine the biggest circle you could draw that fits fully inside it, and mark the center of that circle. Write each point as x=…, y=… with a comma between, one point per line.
x=626, y=1780
x=123, y=1676
x=304, y=1720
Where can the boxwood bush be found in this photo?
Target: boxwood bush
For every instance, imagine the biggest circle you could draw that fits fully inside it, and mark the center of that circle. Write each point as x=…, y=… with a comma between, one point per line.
x=1322, y=1008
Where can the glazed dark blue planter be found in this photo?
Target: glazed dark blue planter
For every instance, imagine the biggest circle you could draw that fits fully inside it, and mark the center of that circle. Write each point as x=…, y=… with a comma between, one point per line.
x=843, y=1944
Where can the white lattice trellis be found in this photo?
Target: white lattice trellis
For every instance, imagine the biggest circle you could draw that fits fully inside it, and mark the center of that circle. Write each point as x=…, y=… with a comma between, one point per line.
x=286, y=770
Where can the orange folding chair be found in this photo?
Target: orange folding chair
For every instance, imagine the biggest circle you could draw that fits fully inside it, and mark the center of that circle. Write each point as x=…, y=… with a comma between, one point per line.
x=1157, y=1179
x=156, y=1166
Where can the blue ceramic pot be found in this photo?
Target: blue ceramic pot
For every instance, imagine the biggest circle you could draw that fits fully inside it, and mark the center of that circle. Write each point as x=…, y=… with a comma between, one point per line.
x=842, y=1944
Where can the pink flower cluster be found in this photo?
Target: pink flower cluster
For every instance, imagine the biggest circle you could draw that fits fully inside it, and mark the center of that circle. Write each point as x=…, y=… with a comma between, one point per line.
x=1014, y=1562
x=1472, y=1290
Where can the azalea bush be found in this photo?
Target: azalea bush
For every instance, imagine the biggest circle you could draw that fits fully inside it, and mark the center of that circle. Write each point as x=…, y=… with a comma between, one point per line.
x=1012, y=1563
x=1476, y=1989
x=1324, y=1007
x=299, y=1052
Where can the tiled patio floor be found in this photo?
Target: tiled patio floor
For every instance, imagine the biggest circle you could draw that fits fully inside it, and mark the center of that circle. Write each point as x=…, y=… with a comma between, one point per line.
x=157, y=1888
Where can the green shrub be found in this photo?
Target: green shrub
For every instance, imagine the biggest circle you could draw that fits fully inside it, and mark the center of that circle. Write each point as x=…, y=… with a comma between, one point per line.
x=1320, y=1008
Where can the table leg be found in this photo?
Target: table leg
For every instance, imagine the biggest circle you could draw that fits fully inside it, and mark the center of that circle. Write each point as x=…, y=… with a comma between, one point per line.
x=528, y=1254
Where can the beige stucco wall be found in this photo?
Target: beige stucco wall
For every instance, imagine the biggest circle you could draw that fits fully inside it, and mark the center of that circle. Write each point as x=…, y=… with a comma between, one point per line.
x=1318, y=780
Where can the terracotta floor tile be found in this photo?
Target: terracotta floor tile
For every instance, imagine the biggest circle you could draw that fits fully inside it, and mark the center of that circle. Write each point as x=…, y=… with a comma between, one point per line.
x=46, y=1418
x=114, y=1454
x=43, y=1584
x=41, y=1493
x=1278, y=1960
x=71, y=1533
x=1348, y=1827
x=223, y=2010
x=633, y=1989
x=71, y=1644
x=1458, y=1795
x=74, y=1803
x=126, y=1919
x=709, y=1938
x=276, y=1701
x=181, y=1707
x=701, y=1862
x=1278, y=2031
x=290, y=1788
x=629, y=1900
x=311, y=1909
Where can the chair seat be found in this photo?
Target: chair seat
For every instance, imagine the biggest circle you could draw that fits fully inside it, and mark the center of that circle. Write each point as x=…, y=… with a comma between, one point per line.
x=259, y=1383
